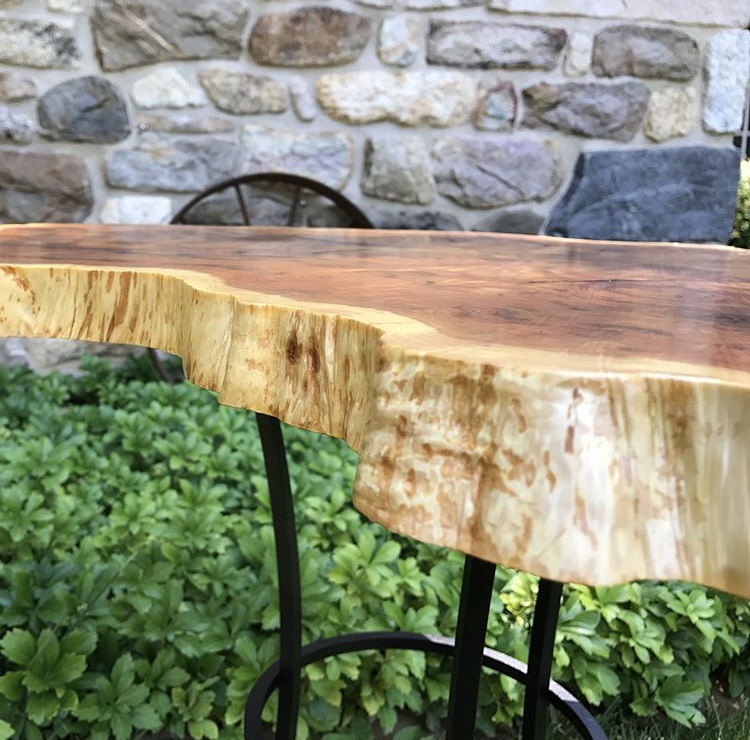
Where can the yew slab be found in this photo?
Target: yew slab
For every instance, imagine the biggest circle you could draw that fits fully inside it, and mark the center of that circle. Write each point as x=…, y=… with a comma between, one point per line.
x=579, y=410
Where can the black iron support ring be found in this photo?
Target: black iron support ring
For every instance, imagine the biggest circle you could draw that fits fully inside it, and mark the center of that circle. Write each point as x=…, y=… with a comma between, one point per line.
x=556, y=695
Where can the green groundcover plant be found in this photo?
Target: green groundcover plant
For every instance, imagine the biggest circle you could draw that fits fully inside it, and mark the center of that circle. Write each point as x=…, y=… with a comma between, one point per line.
x=741, y=230
x=138, y=587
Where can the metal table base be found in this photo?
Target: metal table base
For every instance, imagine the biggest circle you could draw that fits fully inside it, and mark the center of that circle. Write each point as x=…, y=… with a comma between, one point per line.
x=468, y=649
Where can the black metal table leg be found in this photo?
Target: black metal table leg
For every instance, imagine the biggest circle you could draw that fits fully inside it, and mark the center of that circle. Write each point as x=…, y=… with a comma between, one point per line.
x=468, y=649
x=473, y=611
x=290, y=591
x=543, y=629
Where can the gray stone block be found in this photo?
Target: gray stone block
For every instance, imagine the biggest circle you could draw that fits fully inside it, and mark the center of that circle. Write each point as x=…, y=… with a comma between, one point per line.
x=128, y=33
x=587, y=109
x=87, y=108
x=727, y=75
x=398, y=168
x=488, y=172
x=419, y=220
x=162, y=162
x=482, y=45
x=326, y=156
x=645, y=51
x=16, y=128
x=684, y=194
x=398, y=40
x=184, y=124
x=37, y=187
x=497, y=105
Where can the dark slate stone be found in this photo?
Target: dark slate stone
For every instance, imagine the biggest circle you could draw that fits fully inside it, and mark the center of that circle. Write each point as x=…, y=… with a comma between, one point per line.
x=84, y=109
x=683, y=194
x=419, y=220
x=643, y=51
x=38, y=187
x=511, y=221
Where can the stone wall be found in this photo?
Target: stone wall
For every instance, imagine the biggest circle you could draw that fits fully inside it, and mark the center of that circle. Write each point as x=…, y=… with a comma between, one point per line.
x=609, y=118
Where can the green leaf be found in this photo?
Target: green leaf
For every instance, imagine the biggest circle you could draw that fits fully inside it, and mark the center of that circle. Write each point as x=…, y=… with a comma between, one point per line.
x=33, y=733
x=48, y=647
x=11, y=686
x=123, y=673
x=174, y=677
x=68, y=701
x=387, y=718
x=89, y=709
x=79, y=641
x=18, y=646
x=145, y=717
x=41, y=708
x=409, y=733
x=366, y=544
x=6, y=731
x=203, y=728
x=132, y=695
x=69, y=667
x=678, y=698
x=387, y=553
x=121, y=726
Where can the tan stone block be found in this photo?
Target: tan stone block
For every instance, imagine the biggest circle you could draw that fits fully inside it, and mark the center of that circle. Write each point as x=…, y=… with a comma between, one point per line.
x=243, y=93
x=671, y=113
x=429, y=98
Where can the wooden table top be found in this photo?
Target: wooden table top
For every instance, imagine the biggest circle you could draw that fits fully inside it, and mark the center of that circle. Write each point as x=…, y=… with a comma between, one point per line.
x=577, y=409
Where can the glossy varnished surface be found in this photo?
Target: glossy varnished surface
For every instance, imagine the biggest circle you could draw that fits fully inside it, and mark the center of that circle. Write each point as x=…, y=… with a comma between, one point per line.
x=684, y=304
x=576, y=409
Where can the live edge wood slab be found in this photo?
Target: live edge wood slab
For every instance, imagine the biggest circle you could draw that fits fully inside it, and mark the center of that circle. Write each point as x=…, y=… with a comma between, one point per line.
x=579, y=410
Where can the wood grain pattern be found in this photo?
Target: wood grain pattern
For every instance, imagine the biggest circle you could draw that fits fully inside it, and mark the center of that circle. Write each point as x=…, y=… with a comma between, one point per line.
x=576, y=409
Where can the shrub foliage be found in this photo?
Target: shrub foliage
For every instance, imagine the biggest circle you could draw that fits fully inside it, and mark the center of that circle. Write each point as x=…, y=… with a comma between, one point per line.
x=741, y=230
x=138, y=588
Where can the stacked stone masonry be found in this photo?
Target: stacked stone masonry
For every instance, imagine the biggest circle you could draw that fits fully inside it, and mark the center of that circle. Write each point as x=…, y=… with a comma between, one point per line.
x=506, y=115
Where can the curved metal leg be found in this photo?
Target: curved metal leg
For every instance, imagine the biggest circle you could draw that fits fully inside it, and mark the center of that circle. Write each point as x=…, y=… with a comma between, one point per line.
x=540, y=660
x=473, y=611
x=290, y=590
